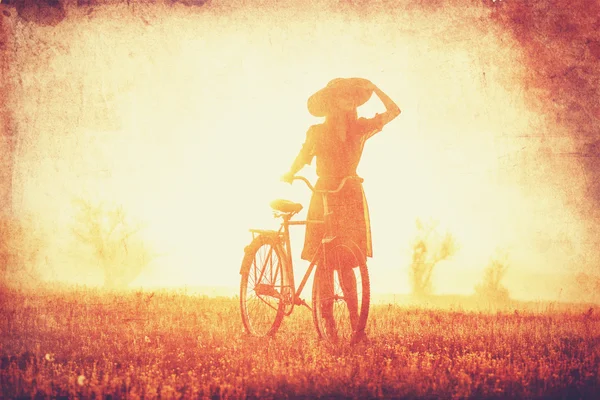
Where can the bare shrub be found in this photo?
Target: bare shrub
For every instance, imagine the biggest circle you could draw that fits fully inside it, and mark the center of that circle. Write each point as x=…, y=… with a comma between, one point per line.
x=119, y=251
x=428, y=249
x=491, y=287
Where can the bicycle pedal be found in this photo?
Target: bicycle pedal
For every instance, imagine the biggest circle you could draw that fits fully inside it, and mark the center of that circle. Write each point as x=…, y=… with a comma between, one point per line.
x=301, y=302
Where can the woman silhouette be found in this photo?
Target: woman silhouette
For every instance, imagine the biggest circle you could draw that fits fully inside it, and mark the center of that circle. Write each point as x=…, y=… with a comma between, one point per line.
x=337, y=144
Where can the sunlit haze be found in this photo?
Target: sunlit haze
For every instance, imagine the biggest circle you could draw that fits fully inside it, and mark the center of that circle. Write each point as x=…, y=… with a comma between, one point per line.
x=188, y=119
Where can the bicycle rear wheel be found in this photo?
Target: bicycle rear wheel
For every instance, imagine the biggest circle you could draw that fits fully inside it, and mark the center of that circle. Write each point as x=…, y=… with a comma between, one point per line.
x=265, y=280
x=341, y=294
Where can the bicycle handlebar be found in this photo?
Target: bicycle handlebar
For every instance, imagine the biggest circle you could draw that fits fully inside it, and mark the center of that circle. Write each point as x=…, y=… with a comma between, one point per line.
x=311, y=187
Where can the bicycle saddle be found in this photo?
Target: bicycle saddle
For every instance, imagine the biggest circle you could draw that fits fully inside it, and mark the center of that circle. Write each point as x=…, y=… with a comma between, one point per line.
x=286, y=206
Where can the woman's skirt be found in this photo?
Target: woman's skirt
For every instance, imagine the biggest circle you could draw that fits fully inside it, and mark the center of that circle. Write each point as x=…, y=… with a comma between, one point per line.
x=350, y=218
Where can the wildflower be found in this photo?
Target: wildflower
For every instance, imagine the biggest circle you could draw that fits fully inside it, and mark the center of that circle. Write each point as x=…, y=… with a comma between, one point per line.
x=146, y=339
x=49, y=357
x=81, y=380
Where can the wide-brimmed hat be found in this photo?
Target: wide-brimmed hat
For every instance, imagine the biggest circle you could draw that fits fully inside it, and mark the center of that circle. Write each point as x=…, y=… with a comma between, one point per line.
x=339, y=94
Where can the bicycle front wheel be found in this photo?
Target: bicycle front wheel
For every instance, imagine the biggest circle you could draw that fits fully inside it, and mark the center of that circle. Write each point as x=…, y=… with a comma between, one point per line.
x=341, y=293
x=263, y=286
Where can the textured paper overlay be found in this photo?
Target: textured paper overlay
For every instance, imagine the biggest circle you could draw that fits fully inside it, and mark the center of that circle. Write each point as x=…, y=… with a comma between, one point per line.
x=187, y=113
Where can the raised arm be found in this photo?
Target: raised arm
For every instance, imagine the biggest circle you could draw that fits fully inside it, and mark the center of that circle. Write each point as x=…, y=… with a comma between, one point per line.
x=371, y=126
x=391, y=108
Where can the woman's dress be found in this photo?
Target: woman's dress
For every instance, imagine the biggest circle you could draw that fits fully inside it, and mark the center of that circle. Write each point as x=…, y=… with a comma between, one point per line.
x=338, y=155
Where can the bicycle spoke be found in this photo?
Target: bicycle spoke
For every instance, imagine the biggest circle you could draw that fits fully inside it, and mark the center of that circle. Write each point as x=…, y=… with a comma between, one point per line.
x=266, y=302
x=256, y=304
x=262, y=292
x=277, y=271
x=265, y=264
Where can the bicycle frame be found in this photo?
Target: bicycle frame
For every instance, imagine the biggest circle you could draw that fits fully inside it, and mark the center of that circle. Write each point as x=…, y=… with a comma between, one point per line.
x=283, y=234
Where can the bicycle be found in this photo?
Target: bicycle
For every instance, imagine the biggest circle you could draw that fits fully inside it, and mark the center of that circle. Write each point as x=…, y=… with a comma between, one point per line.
x=341, y=288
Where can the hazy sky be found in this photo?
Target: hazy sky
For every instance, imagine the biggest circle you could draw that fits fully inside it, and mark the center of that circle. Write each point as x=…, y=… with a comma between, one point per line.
x=188, y=118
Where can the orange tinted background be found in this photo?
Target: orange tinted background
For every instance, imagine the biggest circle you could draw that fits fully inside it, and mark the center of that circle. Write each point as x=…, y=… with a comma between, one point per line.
x=188, y=118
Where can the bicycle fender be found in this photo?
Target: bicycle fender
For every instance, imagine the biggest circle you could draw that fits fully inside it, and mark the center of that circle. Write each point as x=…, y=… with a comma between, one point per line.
x=264, y=237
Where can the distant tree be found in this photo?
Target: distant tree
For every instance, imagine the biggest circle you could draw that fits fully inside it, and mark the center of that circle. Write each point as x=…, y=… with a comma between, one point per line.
x=428, y=248
x=491, y=288
x=114, y=241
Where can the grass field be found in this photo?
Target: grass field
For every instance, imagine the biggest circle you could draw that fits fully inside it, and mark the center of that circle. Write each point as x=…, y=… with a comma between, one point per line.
x=91, y=343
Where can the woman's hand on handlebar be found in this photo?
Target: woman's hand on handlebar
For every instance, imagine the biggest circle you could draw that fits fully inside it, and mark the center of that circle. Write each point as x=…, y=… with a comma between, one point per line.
x=288, y=177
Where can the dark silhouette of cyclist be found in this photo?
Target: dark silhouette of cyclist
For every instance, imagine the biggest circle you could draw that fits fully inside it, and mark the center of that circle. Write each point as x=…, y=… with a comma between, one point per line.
x=337, y=144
